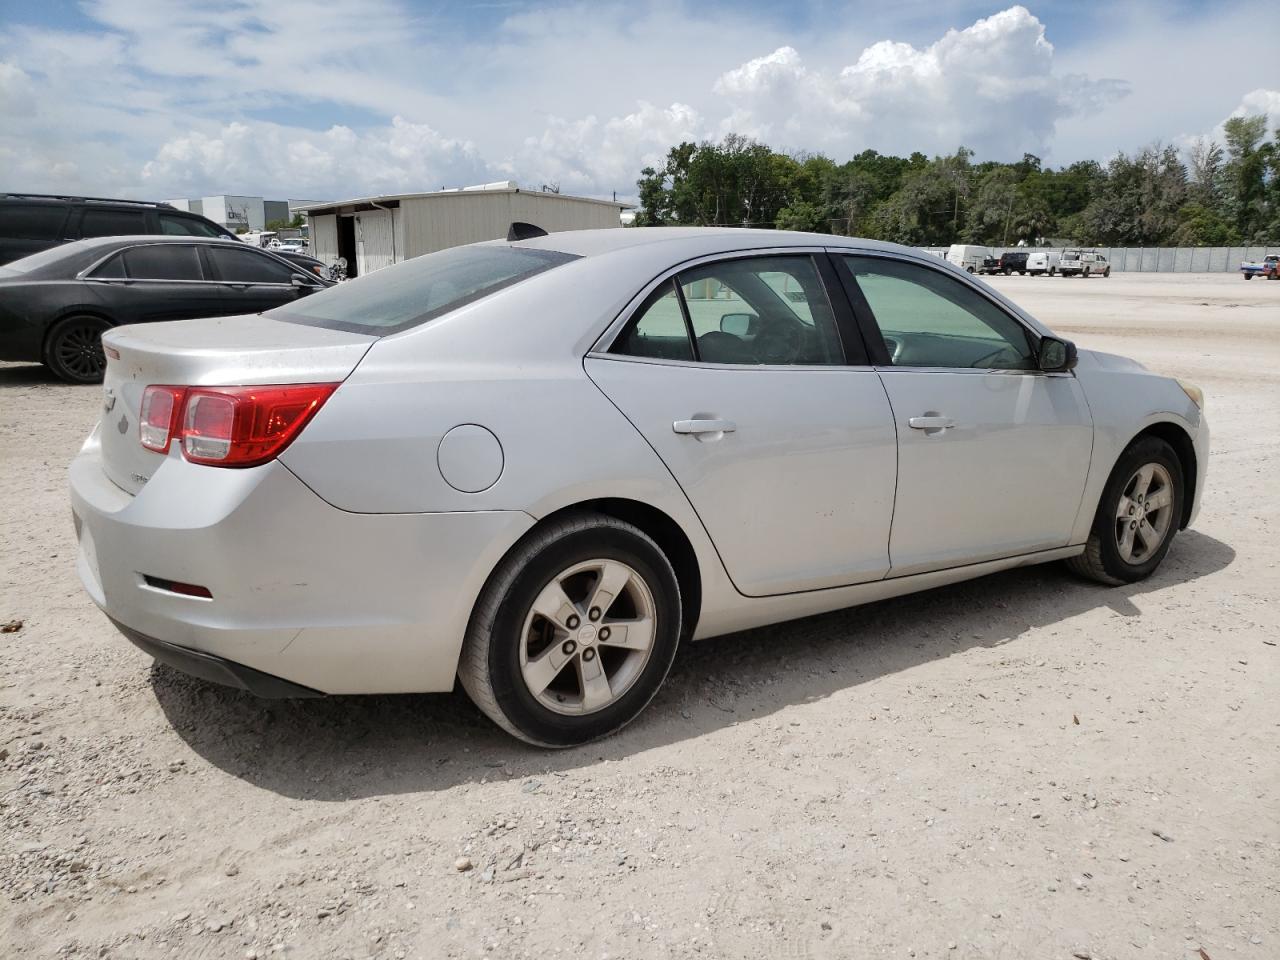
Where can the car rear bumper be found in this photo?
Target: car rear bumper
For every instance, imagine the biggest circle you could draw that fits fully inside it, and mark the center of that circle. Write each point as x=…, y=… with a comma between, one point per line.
x=302, y=594
x=215, y=669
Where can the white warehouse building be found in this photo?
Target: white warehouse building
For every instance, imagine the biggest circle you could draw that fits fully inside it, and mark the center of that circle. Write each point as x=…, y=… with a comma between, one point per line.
x=375, y=232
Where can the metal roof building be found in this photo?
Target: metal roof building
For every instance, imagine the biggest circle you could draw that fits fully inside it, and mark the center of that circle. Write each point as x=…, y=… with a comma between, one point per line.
x=375, y=232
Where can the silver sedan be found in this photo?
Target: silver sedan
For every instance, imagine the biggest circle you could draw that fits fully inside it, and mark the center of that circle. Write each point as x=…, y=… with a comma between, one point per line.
x=538, y=466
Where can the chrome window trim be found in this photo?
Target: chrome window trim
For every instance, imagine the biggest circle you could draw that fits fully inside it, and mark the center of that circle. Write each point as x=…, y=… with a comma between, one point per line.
x=704, y=365
x=600, y=350
x=121, y=251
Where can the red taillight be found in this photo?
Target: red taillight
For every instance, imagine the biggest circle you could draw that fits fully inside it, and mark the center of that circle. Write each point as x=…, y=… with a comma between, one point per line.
x=158, y=424
x=235, y=426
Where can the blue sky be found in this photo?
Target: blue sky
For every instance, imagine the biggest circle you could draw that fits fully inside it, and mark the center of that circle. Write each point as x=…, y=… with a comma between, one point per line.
x=188, y=97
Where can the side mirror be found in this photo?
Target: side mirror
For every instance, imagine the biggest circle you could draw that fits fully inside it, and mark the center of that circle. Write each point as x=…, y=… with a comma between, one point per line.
x=1056, y=356
x=739, y=324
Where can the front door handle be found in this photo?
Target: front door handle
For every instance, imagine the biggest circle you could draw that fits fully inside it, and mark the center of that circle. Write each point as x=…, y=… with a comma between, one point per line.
x=702, y=427
x=931, y=422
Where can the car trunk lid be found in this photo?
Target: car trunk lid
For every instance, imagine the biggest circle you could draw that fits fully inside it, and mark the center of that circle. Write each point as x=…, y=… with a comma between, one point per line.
x=226, y=351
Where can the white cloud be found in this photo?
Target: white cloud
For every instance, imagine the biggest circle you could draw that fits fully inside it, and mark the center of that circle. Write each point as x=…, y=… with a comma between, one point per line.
x=1260, y=101
x=314, y=165
x=191, y=98
x=990, y=86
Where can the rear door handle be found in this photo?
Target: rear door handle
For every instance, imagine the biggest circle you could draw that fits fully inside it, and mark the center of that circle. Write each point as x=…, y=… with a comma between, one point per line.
x=932, y=422
x=697, y=427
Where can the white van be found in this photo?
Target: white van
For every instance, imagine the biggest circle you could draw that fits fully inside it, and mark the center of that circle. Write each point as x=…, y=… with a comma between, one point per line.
x=1083, y=263
x=1043, y=263
x=967, y=256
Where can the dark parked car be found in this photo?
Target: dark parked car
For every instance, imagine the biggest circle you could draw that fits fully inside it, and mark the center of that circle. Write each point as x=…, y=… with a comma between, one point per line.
x=989, y=266
x=55, y=305
x=1014, y=262
x=31, y=222
x=305, y=262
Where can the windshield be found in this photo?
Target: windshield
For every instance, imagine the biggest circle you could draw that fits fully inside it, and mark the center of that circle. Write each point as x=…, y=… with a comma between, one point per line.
x=411, y=293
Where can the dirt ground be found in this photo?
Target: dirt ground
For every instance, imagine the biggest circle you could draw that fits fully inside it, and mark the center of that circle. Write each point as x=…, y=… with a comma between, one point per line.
x=1024, y=766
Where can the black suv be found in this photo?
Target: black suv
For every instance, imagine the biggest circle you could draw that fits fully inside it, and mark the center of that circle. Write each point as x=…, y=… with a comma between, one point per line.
x=31, y=222
x=1015, y=262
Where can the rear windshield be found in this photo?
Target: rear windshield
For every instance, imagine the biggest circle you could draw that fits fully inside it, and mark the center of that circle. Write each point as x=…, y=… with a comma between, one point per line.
x=411, y=293
x=42, y=259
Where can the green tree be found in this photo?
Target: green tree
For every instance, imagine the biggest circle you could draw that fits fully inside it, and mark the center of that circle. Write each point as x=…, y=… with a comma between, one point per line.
x=1248, y=156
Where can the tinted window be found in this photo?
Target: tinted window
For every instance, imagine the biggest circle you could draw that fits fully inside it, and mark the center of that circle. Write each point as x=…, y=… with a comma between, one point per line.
x=769, y=310
x=32, y=222
x=659, y=329
x=163, y=261
x=929, y=319
x=112, y=223
x=111, y=270
x=246, y=266
x=177, y=226
x=421, y=289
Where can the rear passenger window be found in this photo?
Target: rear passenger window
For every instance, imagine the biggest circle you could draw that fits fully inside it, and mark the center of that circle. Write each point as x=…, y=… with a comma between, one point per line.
x=32, y=222
x=659, y=330
x=752, y=310
x=112, y=223
x=163, y=261
x=113, y=269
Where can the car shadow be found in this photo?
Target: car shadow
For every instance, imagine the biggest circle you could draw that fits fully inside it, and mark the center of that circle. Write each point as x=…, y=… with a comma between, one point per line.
x=27, y=375
x=340, y=748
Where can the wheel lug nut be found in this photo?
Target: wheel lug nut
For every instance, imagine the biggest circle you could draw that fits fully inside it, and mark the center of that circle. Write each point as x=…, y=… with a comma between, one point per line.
x=604, y=633
x=572, y=622
x=594, y=614
x=588, y=655
x=568, y=648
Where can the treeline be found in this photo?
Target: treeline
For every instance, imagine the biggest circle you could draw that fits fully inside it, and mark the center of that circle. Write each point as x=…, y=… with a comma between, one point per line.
x=1214, y=194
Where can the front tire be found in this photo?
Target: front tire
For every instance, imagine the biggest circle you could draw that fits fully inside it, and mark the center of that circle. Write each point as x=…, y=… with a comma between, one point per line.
x=574, y=632
x=73, y=349
x=1138, y=516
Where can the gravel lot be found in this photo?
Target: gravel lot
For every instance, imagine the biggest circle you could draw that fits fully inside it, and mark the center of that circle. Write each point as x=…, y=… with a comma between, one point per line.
x=1022, y=766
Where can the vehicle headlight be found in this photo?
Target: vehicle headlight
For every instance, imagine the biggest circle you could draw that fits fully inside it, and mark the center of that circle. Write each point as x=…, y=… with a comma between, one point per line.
x=1194, y=392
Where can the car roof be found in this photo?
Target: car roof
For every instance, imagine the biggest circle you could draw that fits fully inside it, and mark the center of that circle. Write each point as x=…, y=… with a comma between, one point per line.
x=130, y=240
x=710, y=240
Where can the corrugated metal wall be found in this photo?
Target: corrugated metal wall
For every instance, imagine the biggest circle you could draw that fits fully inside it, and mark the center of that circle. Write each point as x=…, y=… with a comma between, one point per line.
x=375, y=240
x=448, y=220
x=324, y=237
x=1160, y=259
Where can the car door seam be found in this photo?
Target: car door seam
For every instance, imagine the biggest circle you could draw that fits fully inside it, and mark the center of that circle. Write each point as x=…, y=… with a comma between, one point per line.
x=665, y=466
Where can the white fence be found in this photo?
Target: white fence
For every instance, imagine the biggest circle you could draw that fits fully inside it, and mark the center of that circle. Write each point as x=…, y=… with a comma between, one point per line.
x=1159, y=259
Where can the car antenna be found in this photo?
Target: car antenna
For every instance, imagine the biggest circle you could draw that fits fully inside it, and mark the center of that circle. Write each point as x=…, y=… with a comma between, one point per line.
x=524, y=231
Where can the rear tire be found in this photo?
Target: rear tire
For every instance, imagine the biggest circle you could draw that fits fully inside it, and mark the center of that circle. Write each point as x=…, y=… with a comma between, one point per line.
x=73, y=349
x=540, y=641
x=1137, y=518
x=1106, y=273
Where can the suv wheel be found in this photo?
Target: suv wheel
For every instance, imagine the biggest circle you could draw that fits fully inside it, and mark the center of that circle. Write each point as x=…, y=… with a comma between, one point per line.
x=574, y=633
x=73, y=349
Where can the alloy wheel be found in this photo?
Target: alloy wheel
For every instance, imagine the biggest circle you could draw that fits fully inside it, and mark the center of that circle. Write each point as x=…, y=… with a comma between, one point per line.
x=587, y=637
x=78, y=350
x=1144, y=515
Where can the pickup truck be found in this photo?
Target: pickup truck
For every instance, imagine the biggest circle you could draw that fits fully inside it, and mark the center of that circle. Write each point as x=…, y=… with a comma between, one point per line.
x=990, y=266
x=1268, y=267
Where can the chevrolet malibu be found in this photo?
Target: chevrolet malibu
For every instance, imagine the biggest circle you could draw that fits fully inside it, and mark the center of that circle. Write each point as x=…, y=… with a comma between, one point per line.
x=538, y=465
